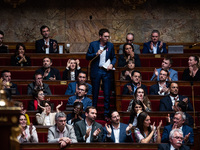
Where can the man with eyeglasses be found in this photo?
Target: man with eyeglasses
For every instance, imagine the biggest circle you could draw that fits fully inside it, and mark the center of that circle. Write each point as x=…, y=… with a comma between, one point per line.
x=161, y=88
x=38, y=85
x=130, y=39
x=176, y=139
x=61, y=132
x=72, y=87
x=154, y=46
x=178, y=123
x=167, y=103
x=80, y=97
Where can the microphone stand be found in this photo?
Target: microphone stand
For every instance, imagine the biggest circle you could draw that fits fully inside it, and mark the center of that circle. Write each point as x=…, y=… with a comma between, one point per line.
x=193, y=45
x=89, y=65
x=193, y=102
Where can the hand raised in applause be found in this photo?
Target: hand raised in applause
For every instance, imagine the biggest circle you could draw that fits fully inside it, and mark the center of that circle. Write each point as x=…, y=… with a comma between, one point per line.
x=108, y=129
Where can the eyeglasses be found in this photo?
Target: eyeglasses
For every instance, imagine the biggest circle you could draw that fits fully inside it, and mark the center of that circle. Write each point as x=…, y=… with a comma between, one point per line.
x=178, y=137
x=41, y=94
x=82, y=90
x=22, y=119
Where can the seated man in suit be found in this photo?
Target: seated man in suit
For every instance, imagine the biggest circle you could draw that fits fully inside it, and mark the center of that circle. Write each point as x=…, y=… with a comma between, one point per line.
x=72, y=87
x=81, y=97
x=47, y=71
x=38, y=84
x=117, y=132
x=161, y=88
x=46, y=45
x=167, y=103
x=89, y=130
x=166, y=65
x=130, y=39
x=179, y=120
x=154, y=46
x=3, y=48
x=61, y=132
x=176, y=139
x=130, y=88
x=10, y=87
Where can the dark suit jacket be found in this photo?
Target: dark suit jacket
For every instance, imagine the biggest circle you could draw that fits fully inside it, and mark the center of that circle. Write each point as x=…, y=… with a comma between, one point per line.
x=15, y=61
x=167, y=147
x=122, y=61
x=80, y=131
x=166, y=103
x=186, y=129
x=92, y=50
x=122, y=135
x=154, y=89
x=53, y=72
x=71, y=89
x=126, y=91
x=146, y=48
x=72, y=115
x=31, y=87
x=67, y=76
x=14, y=86
x=4, y=49
x=39, y=46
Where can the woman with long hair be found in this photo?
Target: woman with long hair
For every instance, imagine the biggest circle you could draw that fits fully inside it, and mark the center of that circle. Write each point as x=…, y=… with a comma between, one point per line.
x=192, y=73
x=20, y=59
x=145, y=132
x=126, y=74
x=128, y=53
x=142, y=96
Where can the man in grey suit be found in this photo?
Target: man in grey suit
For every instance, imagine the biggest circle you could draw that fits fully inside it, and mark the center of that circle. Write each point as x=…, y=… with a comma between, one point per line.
x=89, y=130
x=130, y=39
x=38, y=84
x=61, y=132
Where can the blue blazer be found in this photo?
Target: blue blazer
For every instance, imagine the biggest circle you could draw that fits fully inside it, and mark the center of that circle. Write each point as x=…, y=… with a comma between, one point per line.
x=92, y=50
x=186, y=129
x=86, y=101
x=39, y=46
x=122, y=135
x=146, y=48
x=71, y=89
x=173, y=74
x=154, y=89
x=126, y=91
x=166, y=103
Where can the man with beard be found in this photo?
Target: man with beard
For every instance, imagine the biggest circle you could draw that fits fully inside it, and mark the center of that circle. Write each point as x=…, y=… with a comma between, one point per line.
x=178, y=123
x=130, y=88
x=47, y=71
x=80, y=97
x=176, y=139
x=46, y=45
x=167, y=103
x=166, y=65
x=154, y=46
x=117, y=132
x=161, y=88
x=72, y=87
x=89, y=130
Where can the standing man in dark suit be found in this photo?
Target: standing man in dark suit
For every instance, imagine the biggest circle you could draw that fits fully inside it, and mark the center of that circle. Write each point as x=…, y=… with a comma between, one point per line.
x=117, y=132
x=161, y=88
x=89, y=130
x=154, y=46
x=46, y=45
x=104, y=52
x=176, y=139
x=130, y=88
x=167, y=103
x=47, y=71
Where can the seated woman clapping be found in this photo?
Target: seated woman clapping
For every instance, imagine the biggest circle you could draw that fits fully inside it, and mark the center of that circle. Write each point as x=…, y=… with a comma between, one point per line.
x=145, y=132
x=46, y=117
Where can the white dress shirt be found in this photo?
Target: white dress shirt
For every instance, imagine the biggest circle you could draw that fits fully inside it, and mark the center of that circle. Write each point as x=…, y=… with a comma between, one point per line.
x=102, y=56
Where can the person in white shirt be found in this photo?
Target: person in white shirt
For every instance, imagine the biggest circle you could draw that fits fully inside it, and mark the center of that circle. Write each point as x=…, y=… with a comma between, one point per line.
x=117, y=132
